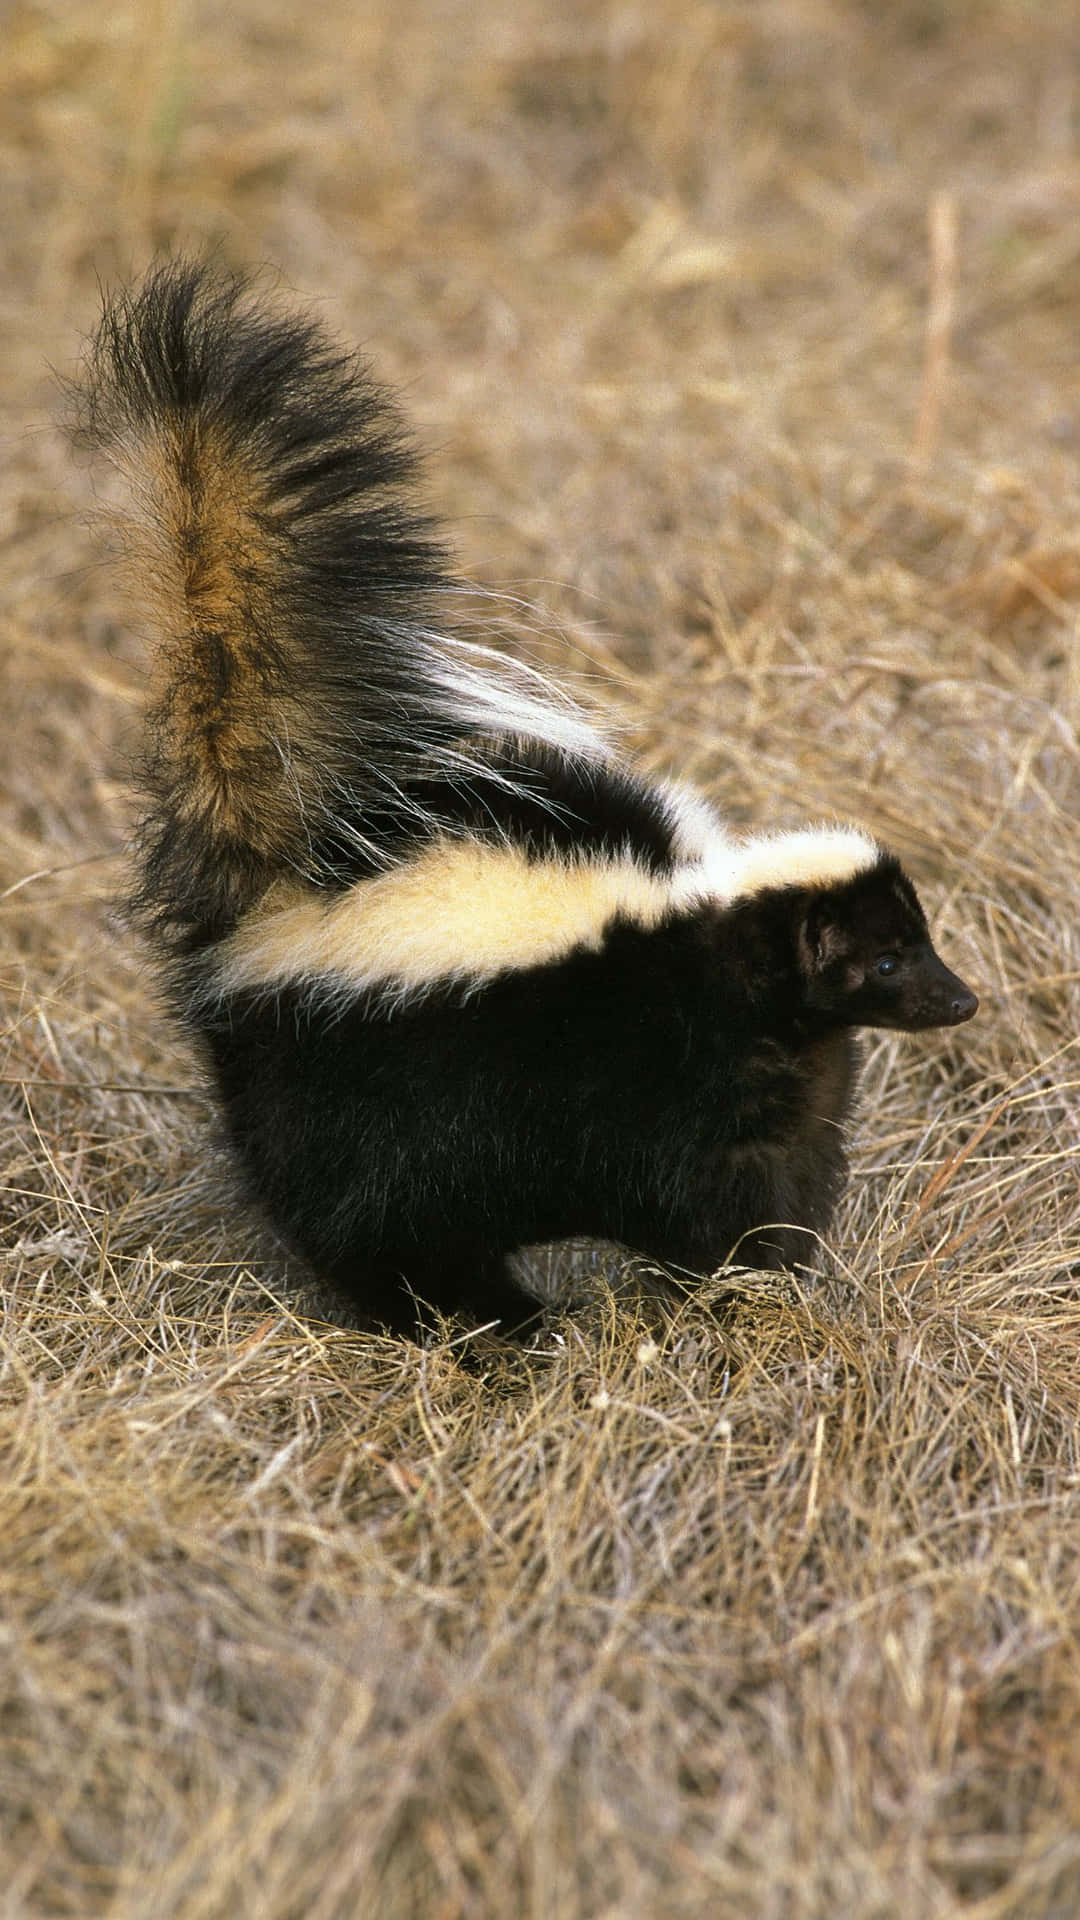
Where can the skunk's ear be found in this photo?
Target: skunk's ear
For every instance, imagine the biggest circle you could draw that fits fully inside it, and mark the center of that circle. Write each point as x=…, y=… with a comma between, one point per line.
x=822, y=938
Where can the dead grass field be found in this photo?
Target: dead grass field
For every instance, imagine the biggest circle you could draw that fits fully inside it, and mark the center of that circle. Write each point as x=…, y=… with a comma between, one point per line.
x=746, y=339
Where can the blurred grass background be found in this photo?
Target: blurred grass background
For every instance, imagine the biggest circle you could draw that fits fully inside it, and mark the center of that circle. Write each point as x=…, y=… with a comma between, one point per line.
x=743, y=337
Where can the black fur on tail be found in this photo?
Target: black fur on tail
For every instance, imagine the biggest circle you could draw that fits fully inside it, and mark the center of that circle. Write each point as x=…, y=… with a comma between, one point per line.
x=292, y=584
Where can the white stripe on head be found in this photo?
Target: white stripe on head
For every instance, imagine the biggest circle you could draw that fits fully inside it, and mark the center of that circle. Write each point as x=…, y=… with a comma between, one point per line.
x=728, y=870
x=807, y=857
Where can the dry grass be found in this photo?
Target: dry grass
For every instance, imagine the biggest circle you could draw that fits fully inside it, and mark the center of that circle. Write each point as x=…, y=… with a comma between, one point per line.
x=746, y=337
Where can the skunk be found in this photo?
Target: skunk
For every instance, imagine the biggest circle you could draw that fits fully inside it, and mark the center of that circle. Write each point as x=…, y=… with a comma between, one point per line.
x=464, y=981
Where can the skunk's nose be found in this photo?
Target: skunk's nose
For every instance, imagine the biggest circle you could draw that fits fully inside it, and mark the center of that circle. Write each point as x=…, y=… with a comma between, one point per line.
x=964, y=1003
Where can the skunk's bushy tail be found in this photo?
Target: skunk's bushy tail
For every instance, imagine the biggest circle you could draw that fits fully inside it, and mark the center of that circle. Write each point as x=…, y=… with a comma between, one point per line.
x=303, y=683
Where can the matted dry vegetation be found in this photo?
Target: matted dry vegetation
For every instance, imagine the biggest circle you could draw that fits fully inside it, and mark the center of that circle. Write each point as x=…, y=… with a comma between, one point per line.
x=746, y=337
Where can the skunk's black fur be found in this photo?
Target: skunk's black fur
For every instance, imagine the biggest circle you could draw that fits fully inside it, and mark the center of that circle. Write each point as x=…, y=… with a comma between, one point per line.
x=465, y=983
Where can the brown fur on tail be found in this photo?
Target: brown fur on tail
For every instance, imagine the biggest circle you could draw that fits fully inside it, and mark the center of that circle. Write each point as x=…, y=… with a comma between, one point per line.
x=285, y=576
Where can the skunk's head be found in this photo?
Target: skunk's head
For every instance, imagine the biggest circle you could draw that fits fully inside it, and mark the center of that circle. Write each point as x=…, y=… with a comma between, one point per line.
x=866, y=955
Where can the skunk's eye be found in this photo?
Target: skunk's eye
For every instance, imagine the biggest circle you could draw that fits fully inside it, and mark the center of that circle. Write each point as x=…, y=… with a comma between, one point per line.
x=887, y=964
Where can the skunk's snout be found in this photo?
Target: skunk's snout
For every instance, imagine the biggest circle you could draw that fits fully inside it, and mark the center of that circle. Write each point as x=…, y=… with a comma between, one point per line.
x=963, y=1003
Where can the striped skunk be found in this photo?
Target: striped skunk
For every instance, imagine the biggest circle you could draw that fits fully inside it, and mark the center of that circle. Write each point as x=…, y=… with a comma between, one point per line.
x=463, y=980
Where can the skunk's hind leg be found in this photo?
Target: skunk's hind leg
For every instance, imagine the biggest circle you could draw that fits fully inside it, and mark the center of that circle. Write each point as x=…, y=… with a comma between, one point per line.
x=407, y=1297
x=490, y=1292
